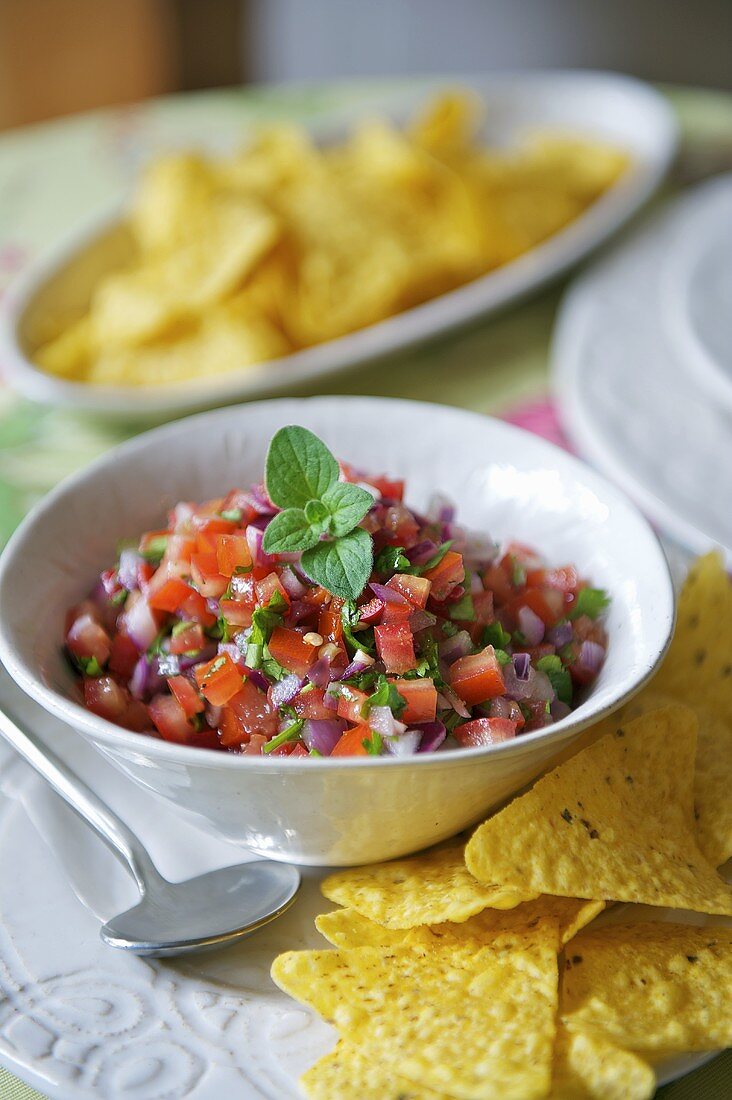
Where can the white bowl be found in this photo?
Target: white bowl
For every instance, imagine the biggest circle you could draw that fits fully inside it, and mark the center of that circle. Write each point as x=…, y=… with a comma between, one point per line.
x=597, y=105
x=336, y=811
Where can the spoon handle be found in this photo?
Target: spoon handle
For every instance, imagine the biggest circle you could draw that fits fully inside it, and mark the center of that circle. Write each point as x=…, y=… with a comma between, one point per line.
x=112, y=830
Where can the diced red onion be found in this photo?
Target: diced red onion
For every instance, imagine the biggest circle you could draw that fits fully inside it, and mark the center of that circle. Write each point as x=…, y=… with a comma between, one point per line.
x=129, y=561
x=521, y=666
x=432, y=735
x=140, y=623
x=406, y=744
x=476, y=584
x=182, y=514
x=537, y=688
x=258, y=679
x=383, y=721
x=501, y=708
x=202, y=657
x=480, y=548
x=371, y=611
x=590, y=657
x=421, y=620
x=284, y=690
x=441, y=509
x=254, y=542
x=560, y=635
x=450, y=699
x=460, y=645
x=319, y=673
x=322, y=734
x=389, y=595
x=360, y=661
x=530, y=625
x=259, y=499
x=559, y=710
x=145, y=681
x=291, y=584
x=212, y=605
x=168, y=664
x=233, y=651
x=422, y=552
x=330, y=699
x=212, y=715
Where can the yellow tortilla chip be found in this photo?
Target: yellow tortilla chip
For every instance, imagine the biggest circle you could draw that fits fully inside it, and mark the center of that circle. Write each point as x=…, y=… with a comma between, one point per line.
x=357, y=1073
x=346, y=928
x=650, y=986
x=475, y=1025
x=589, y=1067
x=427, y=889
x=69, y=353
x=615, y=822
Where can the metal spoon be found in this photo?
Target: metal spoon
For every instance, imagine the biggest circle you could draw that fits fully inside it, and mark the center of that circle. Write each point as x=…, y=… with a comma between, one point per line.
x=171, y=918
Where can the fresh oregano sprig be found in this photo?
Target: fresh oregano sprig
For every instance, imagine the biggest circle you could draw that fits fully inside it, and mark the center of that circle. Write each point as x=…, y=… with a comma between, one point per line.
x=320, y=514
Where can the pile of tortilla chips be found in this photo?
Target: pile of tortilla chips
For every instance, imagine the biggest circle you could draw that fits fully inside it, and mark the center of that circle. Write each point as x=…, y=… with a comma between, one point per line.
x=482, y=972
x=287, y=244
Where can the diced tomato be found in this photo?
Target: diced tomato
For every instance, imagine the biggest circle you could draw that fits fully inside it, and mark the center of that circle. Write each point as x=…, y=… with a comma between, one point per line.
x=106, y=698
x=86, y=638
x=232, y=553
x=446, y=575
x=238, y=500
x=351, y=742
x=253, y=746
x=289, y=748
x=395, y=645
x=235, y=613
x=484, y=731
x=248, y=713
x=208, y=533
x=145, y=573
x=590, y=630
x=188, y=640
x=266, y=588
x=547, y=603
x=397, y=608
x=206, y=577
x=123, y=656
x=219, y=679
x=497, y=578
x=483, y=605
x=414, y=589
x=524, y=555
x=421, y=699
x=170, y=595
x=287, y=647
x=399, y=527
x=186, y=695
x=170, y=719
x=477, y=677
x=136, y=717
x=311, y=705
x=329, y=621
x=390, y=488
x=350, y=704
x=194, y=607
x=180, y=548
x=564, y=578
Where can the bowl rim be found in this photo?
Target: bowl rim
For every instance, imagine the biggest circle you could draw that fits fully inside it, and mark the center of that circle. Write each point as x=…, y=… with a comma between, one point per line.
x=109, y=735
x=437, y=316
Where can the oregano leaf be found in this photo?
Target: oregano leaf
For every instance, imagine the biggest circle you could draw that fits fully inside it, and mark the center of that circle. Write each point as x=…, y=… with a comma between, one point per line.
x=299, y=467
x=347, y=504
x=289, y=531
x=343, y=566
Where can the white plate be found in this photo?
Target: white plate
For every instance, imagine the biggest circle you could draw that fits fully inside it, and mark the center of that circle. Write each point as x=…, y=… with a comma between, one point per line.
x=630, y=401
x=598, y=105
x=79, y=1019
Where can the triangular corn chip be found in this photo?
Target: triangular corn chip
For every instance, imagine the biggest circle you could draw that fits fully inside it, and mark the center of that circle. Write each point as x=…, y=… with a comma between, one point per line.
x=357, y=1073
x=477, y=1025
x=346, y=928
x=651, y=986
x=589, y=1067
x=615, y=822
x=427, y=889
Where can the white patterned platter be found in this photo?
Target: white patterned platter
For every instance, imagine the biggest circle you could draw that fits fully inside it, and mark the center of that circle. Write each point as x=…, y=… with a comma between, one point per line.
x=634, y=404
x=80, y=1021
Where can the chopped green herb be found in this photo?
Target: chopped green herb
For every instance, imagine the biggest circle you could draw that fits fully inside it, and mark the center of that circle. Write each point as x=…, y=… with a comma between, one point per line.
x=385, y=695
x=503, y=657
x=157, y=646
x=373, y=744
x=350, y=618
x=558, y=676
x=449, y=629
x=518, y=572
x=119, y=597
x=391, y=559
x=89, y=666
x=234, y=515
x=289, y=733
x=591, y=602
x=451, y=720
x=271, y=667
x=464, y=609
x=155, y=549
x=434, y=560
x=181, y=626
x=314, y=752
x=495, y=635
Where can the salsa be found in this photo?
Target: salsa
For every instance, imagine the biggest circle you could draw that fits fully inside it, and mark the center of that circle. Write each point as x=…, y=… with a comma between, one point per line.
x=199, y=636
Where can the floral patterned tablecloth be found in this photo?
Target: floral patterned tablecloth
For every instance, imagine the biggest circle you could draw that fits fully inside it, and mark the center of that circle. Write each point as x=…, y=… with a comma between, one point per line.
x=51, y=175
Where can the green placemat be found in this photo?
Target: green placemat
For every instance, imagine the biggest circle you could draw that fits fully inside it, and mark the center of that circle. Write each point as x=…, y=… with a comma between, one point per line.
x=53, y=174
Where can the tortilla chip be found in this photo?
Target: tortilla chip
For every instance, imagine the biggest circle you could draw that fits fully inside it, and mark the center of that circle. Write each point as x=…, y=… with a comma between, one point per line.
x=651, y=987
x=351, y=1073
x=475, y=1025
x=428, y=889
x=615, y=822
x=589, y=1067
x=346, y=928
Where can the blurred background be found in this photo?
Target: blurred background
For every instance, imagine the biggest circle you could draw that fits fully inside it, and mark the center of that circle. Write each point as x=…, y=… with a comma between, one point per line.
x=62, y=56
